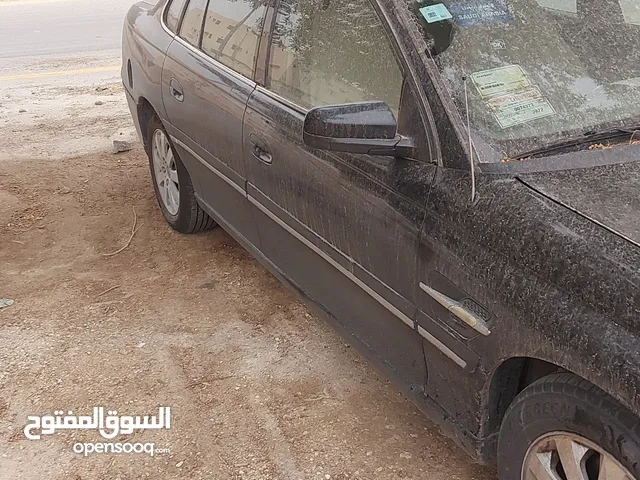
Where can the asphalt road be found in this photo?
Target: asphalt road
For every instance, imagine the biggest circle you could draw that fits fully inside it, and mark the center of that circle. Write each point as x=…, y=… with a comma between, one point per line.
x=50, y=48
x=54, y=27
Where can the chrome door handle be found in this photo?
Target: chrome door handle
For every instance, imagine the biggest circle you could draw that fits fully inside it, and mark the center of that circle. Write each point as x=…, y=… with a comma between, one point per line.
x=176, y=90
x=261, y=154
x=259, y=149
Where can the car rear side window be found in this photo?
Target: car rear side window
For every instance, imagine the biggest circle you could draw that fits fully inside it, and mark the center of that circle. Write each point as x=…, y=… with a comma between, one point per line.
x=174, y=12
x=232, y=33
x=330, y=52
x=191, y=27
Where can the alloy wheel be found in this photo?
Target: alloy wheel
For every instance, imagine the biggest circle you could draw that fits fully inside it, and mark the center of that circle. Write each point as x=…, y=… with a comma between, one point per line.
x=166, y=173
x=566, y=456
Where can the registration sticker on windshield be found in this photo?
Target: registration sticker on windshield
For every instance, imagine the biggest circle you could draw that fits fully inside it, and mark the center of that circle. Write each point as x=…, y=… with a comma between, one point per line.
x=520, y=107
x=500, y=80
x=435, y=13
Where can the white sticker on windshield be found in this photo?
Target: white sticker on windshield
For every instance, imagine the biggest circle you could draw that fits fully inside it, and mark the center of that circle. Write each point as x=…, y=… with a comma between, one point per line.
x=500, y=80
x=520, y=107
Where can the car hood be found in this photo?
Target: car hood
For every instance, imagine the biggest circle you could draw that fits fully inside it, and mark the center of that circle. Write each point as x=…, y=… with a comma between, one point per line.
x=608, y=195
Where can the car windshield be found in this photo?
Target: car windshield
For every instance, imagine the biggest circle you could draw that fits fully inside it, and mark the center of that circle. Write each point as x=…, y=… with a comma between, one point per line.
x=531, y=73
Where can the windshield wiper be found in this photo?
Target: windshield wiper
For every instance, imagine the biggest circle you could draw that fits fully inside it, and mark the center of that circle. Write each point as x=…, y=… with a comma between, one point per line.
x=590, y=136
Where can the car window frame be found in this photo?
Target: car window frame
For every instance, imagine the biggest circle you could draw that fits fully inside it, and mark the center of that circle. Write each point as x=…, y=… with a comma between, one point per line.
x=267, y=54
x=206, y=56
x=204, y=18
x=165, y=12
x=267, y=18
x=409, y=85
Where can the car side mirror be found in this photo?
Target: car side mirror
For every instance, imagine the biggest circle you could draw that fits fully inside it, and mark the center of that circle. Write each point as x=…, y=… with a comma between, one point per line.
x=366, y=127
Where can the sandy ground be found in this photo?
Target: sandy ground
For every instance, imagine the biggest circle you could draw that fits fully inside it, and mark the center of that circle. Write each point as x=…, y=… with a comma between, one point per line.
x=259, y=388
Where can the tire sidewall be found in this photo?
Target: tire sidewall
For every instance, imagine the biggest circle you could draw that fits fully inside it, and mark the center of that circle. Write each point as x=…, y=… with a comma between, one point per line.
x=182, y=218
x=548, y=412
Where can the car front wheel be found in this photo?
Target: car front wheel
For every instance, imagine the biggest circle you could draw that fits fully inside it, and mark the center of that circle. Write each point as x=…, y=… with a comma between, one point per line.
x=172, y=183
x=564, y=428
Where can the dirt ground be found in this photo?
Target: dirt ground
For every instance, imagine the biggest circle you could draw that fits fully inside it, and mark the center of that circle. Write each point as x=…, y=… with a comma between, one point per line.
x=258, y=387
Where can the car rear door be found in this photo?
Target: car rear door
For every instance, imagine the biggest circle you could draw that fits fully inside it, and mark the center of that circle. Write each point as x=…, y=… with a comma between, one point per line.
x=206, y=81
x=343, y=227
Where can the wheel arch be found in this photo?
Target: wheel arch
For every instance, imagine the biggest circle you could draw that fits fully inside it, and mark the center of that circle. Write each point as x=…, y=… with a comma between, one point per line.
x=511, y=377
x=506, y=381
x=615, y=370
x=145, y=114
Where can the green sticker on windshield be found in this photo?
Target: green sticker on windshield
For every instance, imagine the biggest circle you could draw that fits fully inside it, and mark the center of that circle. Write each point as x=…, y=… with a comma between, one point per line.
x=435, y=13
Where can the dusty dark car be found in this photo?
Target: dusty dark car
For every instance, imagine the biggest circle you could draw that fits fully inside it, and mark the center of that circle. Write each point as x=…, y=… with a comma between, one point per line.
x=455, y=186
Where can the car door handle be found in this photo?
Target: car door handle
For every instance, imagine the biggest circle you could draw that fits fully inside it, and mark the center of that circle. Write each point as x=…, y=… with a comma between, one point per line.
x=176, y=90
x=259, y=149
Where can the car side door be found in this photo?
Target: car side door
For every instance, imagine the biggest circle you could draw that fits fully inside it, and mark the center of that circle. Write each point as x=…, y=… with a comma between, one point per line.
x=342, y=227
x=206, y=81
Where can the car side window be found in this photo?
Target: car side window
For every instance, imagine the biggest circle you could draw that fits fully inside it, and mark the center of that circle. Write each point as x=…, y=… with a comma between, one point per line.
x=232, y=33
x=325, y=53
x=191, y=27
x=174, y=12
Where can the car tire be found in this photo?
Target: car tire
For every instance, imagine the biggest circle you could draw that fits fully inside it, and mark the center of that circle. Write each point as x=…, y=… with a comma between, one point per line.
x=563, y=419
x=172, y=183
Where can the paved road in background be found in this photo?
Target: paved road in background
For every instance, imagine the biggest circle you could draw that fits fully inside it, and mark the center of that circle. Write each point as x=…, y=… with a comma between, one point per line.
x=60, y=75
x=54, y=27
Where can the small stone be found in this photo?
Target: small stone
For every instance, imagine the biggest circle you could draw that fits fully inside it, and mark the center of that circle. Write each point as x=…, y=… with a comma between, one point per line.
x=64, y=190
x=5, y=302
x=406, y=455
x=99, y=102
x=327, y=476
x=123, y=140
x=121, y=146
x=179, y=464
x=369, y=453
x=22, y=110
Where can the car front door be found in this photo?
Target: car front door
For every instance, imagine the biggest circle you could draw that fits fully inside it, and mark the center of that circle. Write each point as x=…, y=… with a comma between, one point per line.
x=206, y=82
x=343, y=228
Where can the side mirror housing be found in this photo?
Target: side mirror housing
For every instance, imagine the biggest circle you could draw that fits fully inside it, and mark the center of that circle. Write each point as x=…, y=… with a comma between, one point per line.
x=366, y=127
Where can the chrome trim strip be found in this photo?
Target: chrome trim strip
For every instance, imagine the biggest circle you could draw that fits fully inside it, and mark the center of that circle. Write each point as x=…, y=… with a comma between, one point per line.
x=442, y=347
x=459, y=311
x=214, y=62
x=162, y=15
x=391, y=308
x=401, y=316
x=206, y=164
x=281, y=99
